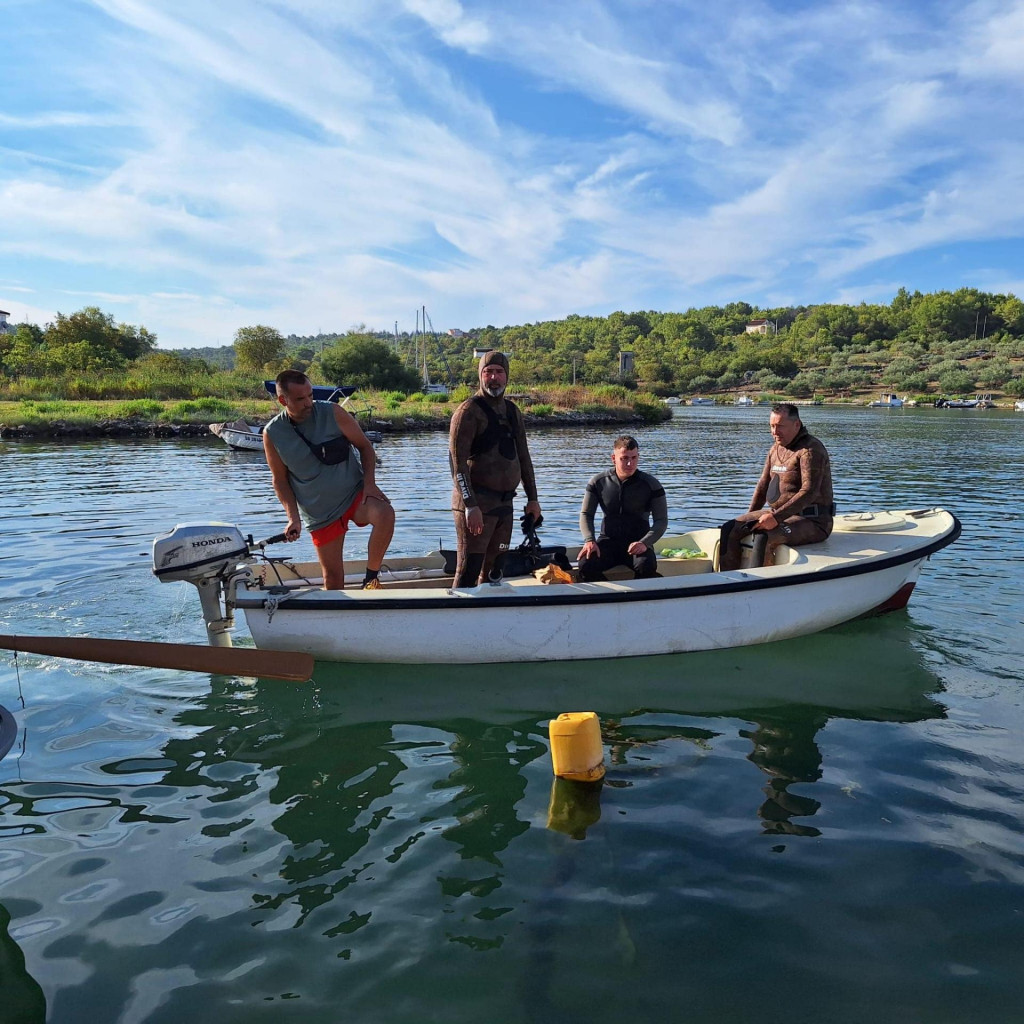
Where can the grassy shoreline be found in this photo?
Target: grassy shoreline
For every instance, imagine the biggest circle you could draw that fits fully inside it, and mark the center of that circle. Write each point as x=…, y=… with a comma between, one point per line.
x=383, y=411
x=386, y=412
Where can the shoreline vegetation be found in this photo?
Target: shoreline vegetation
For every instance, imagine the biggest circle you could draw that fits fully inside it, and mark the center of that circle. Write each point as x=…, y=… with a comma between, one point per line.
x=607, y=405
x=388, y=412
x=86, y=375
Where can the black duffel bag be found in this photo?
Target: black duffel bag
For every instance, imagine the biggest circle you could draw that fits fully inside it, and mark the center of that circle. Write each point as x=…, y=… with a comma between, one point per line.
x=523, y=560
x=531, y=555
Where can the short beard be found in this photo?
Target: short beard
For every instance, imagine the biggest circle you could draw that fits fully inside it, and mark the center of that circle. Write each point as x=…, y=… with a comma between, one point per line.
x=495, y=392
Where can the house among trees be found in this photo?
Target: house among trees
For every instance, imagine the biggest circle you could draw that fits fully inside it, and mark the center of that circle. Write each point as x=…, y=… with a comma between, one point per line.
x=5, y=327
x=454, y=332
x=757, y=327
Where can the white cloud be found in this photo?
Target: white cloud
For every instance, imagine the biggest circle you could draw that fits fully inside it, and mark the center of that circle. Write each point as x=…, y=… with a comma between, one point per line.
x=448, y=19
x=315, y=165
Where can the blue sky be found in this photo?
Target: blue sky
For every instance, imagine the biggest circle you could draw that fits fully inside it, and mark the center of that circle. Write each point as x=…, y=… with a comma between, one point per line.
x=195, y=167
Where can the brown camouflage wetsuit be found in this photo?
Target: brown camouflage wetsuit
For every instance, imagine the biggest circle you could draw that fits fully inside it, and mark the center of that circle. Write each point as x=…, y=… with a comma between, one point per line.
x=796, y=484
x=489, y=458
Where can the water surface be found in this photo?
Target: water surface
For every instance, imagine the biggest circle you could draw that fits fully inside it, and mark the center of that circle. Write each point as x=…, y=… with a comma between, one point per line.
x=824, y=829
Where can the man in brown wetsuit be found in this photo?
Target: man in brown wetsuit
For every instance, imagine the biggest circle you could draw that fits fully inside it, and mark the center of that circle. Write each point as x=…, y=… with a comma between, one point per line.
x=489, y=458
x=792, y=502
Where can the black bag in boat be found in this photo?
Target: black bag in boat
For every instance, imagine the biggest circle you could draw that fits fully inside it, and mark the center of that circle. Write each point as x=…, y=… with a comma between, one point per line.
x=523, y=561
x=531, y=554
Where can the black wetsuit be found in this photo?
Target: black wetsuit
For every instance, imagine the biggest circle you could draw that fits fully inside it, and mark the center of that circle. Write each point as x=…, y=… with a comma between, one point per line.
x=629, y=506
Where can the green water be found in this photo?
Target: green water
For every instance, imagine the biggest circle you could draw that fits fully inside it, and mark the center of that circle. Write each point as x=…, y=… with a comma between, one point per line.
x=826, y=829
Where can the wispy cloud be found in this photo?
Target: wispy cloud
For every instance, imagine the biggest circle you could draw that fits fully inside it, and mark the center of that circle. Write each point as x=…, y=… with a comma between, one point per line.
x=314, y=165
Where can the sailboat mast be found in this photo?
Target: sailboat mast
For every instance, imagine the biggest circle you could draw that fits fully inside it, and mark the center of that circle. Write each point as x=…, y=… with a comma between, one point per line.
x=426, y=372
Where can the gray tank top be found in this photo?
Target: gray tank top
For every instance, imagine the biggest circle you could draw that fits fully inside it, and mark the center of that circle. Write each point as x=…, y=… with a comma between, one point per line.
x=323, y=492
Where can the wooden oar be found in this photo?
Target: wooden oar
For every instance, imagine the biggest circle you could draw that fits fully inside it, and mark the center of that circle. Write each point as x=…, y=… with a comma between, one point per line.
x=224, y=661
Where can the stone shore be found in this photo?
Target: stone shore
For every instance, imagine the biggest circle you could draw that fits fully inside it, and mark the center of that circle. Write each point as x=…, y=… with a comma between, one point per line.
x=61, y=430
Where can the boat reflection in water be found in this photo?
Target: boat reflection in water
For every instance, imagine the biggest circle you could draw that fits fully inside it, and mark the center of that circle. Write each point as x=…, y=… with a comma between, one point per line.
x=867, y=671
x=382, y=809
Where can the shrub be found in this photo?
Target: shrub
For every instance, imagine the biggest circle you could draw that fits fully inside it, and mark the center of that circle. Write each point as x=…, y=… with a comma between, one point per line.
x=650, y=409
x=139, y=408
x=204, y=408
x=614, y=394
x=996, y=373
x=956, y=382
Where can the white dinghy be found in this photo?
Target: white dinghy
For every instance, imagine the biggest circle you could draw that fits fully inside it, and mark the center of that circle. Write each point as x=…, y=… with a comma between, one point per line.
x=869, y=564
x=244, y=437
x=240, y=435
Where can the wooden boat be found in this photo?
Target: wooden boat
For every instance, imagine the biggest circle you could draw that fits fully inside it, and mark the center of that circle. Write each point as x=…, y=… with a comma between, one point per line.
x=887, y=401
x=870, y=563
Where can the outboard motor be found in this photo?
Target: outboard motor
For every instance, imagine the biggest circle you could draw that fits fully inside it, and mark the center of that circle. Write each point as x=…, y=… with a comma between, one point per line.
x=206, y=555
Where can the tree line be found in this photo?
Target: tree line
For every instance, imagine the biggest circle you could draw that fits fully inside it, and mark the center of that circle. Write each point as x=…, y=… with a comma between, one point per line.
x=950, y=342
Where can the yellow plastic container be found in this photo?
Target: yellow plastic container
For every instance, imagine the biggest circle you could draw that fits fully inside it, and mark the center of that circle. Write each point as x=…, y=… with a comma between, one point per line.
x=576, y=749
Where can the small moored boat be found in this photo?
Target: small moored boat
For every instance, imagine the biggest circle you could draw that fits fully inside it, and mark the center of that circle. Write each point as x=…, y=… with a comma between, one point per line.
x=887, y=401
x=702, y=401
x=242, y=436
x=977, y=402
x=870, y=563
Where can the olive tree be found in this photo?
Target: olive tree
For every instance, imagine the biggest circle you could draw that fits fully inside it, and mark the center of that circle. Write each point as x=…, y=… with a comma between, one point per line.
x=258, y=348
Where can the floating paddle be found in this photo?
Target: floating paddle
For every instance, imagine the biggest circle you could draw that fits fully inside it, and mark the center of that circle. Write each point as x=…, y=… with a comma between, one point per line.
x=224, y=661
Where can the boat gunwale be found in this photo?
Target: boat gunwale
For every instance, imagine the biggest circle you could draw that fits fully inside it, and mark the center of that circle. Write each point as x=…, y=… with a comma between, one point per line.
x=344, y=600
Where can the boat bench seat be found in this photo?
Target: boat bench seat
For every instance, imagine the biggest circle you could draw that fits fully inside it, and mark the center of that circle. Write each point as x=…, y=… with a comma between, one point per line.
x=667, y=567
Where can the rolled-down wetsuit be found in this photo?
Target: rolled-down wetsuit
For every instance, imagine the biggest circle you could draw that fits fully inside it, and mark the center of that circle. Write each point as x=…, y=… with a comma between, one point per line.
x=796, y=484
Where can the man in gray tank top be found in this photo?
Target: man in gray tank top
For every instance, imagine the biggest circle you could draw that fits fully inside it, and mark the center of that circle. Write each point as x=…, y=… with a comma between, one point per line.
x=321, y=483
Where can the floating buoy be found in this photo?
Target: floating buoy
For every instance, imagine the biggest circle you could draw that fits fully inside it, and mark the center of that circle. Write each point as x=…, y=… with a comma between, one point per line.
x=576, y=750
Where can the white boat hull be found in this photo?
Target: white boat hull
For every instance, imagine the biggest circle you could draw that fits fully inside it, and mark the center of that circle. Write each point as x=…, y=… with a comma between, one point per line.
x=871, y=560
x=249, y=441
x=887, y=402
x=251, y=438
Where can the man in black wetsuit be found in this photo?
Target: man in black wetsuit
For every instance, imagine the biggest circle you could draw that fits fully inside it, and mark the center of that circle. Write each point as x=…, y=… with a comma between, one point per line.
x=635, y=516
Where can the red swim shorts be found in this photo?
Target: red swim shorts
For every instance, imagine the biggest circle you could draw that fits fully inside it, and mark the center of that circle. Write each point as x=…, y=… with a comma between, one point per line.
x=338, y=528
